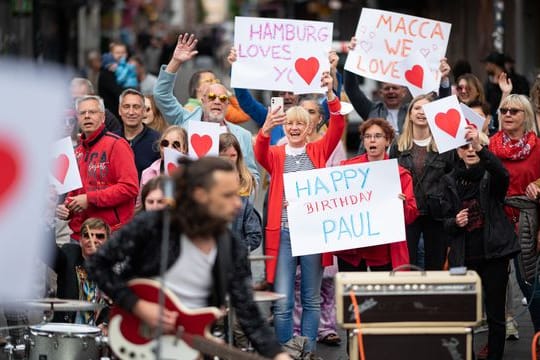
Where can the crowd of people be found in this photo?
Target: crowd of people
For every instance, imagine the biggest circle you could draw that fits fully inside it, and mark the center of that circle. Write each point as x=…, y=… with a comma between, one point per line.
x=476, y=206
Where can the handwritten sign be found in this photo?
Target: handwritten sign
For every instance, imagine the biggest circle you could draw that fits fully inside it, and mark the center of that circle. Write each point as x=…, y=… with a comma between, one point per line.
x=64, y=174
x=344, y=207
x=203, y=139
x=385, y=38
x=446, y=122
x=280, y=54
x=30, y=110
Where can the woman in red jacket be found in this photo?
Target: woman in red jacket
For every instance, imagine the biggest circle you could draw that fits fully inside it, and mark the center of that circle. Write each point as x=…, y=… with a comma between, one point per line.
x=378, y=135
x=297, y=155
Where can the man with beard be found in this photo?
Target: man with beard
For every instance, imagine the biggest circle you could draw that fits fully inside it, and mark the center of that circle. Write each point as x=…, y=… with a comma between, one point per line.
x=205, y=261
x=215, y=100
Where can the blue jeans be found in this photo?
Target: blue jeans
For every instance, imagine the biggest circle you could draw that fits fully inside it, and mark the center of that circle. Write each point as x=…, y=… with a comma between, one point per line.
x=310, y=289
x=531, y=290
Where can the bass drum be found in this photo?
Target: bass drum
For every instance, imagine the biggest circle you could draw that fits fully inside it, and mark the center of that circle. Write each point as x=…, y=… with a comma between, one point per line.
x=55, y=341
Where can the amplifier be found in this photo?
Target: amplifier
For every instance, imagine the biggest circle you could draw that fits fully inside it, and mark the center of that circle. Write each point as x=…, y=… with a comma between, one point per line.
x=413, y=343
x=409, y=298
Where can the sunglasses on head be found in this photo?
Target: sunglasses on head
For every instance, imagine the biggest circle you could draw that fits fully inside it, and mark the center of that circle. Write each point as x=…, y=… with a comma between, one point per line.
x=223, y=98
x=175, y=144
x=512, y=111
x=98, y=236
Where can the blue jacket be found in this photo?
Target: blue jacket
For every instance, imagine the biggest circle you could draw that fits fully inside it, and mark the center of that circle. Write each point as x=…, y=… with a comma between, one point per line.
x=175, y=114
x=248, y=225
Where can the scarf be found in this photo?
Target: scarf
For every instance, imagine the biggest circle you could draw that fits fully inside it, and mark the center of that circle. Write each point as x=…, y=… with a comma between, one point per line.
x=468, y=180
x=507, y=149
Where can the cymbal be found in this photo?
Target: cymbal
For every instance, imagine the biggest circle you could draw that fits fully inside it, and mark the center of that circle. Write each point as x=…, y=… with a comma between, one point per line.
x=260, y=257
x=55, y=304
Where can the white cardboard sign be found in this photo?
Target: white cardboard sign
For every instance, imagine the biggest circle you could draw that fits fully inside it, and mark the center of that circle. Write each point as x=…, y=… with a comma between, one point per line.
x=385, y=38
x=203, y=139
x=344, y=207
x=446, y=122
x=417, y=76
x=280, y=54
x=64, y=174
x=170, y=159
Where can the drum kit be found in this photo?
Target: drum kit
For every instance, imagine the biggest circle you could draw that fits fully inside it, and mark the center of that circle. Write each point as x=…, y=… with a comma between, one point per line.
x=50, y=341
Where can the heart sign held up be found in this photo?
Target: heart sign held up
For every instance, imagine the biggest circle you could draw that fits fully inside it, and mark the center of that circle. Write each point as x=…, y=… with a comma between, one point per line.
x=170, y=158
x=203, y=139
x=280, y=54
x=473, y=118
x=417, y=75
x=446, y=122
x=64, y=174
x=11, y=170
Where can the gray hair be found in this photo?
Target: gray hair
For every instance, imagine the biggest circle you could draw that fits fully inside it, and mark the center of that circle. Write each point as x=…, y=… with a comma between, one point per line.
x=130, y=92
x=90, y=97
x=82, y=81
x=522, y=102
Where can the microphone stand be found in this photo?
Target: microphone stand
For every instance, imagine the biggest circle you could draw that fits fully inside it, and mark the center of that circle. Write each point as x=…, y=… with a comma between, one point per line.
x=168, y=192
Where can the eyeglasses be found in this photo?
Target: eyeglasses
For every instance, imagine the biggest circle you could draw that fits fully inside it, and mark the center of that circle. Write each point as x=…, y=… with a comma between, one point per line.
x=90, y=112
x=374, y=136
x=99, y=236
x=512, y=111
x=463, y=88
x=175, y=144
x=223, y=98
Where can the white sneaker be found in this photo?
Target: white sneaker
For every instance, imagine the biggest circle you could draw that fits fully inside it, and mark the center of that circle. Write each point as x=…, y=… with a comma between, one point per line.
x=512, y=332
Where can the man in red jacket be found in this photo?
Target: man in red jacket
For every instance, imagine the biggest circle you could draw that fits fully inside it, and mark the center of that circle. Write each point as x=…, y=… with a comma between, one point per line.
x=108, y=173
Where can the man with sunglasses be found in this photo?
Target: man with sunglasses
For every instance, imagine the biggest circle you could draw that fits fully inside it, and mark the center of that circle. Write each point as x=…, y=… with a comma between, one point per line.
x=140, y=137
x=214, y=101
x=72, y=278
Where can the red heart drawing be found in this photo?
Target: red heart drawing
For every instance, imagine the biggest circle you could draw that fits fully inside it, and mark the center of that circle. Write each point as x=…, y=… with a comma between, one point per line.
x=201, y=144
x=415, y=76
x=61, y=167
x=307, y=69
x=171, y=167
x=11, y=171
x=448, y=122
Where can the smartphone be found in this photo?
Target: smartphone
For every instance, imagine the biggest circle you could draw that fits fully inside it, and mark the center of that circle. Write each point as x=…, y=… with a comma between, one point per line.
x=276, y=102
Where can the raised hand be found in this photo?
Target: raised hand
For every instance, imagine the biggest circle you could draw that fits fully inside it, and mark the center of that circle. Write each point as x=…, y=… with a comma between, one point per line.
x=352, y=44
x=232, y=56
x=505, y=84
x=473, y=137
x=328, y=82
x=444, y=68
x=273, y=119
x=185, y=48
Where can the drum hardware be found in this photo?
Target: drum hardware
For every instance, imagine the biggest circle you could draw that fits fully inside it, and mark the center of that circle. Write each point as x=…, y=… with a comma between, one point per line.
x=11, y=349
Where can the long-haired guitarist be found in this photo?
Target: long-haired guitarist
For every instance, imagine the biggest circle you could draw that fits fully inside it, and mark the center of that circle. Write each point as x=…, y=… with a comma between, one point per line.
x=204, y=263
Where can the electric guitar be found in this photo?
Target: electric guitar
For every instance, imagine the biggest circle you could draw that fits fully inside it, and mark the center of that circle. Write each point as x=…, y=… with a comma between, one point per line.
x=130, y=338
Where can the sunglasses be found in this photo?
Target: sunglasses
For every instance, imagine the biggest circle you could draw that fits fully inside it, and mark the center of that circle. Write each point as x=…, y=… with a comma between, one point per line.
x=223, y=98
x=512, y=111
x=175, y=144
x=98, y=236
x=465, y=147
x=463, y=88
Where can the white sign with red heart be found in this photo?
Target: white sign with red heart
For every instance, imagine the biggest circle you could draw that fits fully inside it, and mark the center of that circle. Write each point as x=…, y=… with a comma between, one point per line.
x=446, y=122
x=203, y=139
x=385, y=38
x=170, y=159
x=280, y=54
x=417, y=75
x=64, y=174
x=30, y=110
x=472, y=118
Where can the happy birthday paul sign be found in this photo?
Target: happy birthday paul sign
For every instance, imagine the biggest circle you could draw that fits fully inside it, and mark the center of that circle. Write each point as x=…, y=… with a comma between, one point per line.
x=280, y=54
x=344, y=207
x=384, y=39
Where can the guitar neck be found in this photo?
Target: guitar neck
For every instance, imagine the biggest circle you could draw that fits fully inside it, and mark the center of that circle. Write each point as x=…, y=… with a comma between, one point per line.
x=211, y=347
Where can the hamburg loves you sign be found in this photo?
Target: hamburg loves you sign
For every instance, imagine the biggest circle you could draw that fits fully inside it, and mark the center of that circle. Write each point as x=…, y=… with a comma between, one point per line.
x=386, y=38
x=280, y=54
x=344, y=207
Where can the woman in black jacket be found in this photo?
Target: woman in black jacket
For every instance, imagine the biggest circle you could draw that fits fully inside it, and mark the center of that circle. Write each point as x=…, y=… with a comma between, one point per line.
x=481, y=236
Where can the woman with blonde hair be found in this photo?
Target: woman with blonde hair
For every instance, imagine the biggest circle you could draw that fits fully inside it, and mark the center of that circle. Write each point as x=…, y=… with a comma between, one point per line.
x=417, y=152
x=230, y=147
x=152, y=116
